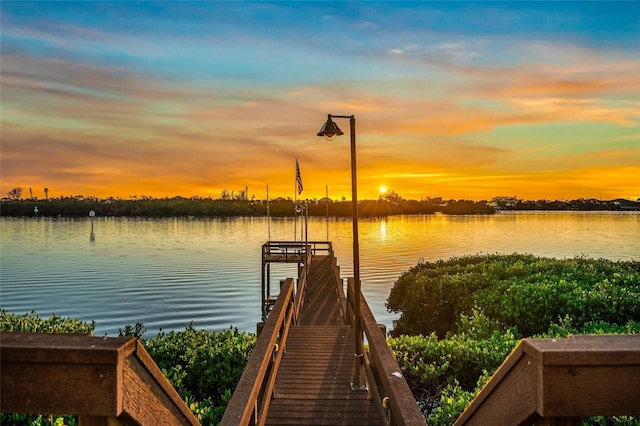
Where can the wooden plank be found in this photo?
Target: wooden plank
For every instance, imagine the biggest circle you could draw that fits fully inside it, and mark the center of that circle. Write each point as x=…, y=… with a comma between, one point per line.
x=63, y=347
x=510, y=396
x=29, y=387
x=163, y=385
x=288, y=372
x=329, y=415
x=587, y=349
x=322, y=306
x=332, y=415
x=321, y=411
x=346, y=394
x=314, y=380
x=146, y=401
x=587, y=375
x=585, y=391
x=82, y=369
x=284, y=404
x=319, y=421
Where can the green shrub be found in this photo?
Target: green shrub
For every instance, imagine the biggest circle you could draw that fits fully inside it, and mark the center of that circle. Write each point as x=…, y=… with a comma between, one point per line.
x=31, y=322
x=453, y=402
x=203, y=366
x=446, y=374
x=430, y=364
x=565, y=327
x=461, y=317
x=522, y=291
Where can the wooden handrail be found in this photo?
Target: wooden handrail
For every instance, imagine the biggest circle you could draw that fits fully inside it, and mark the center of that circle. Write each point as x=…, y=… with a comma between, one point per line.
x=301, y=288
x=553, y=381
x=388, y=380
x=101, y=379
x=342, y=298
x=250, y=401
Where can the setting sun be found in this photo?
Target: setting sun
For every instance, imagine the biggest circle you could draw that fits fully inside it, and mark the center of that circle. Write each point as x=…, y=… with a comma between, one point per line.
x=383, y=189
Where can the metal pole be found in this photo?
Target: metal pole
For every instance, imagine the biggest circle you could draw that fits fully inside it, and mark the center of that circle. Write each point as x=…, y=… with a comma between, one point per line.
x=358, y=383
x=268, y=217
x=326, y=205
x=264, y=296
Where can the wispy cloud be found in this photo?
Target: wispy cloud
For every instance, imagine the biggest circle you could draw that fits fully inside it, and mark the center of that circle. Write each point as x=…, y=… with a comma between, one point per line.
x=194, y=97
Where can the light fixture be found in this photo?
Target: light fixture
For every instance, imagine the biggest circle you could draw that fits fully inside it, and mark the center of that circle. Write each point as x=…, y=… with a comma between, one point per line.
x=330, y=130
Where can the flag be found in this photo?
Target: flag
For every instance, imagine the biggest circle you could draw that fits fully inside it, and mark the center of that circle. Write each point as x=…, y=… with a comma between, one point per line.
x=298, y=178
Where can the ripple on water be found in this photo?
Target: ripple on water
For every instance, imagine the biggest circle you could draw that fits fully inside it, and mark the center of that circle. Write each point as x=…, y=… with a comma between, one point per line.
x=168, y=272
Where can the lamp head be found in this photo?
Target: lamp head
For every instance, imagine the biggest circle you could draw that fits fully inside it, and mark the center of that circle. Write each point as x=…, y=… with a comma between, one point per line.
x=330, y=130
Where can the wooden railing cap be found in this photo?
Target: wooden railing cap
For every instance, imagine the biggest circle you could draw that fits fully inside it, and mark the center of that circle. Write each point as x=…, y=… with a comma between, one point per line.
x=64, y=347
x=583, y=349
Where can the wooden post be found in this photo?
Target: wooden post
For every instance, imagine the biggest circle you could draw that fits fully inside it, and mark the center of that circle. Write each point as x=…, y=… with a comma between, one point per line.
x=560, y=381
x=99, y=379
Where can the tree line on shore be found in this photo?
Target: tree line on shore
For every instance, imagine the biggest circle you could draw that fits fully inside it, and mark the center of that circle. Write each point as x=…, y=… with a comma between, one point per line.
x=232, y=204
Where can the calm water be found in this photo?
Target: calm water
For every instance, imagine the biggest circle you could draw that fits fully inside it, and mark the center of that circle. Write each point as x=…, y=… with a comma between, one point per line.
x=169, y=272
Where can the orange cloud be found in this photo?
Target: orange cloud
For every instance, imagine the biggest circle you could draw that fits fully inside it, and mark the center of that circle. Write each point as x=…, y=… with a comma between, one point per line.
x=78, y=127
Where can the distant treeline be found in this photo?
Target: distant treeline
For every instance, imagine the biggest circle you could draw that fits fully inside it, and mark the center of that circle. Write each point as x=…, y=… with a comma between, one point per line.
x=392, y=204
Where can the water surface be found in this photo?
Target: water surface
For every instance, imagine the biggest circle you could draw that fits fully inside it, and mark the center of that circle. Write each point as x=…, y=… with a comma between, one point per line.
x=169, y=272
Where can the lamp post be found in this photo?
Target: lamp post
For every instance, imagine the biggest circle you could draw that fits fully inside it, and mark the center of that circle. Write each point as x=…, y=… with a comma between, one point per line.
x=329, y=131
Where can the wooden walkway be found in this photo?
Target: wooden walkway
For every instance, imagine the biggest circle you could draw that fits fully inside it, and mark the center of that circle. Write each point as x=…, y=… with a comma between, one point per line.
x=301, y=369
x=313, y=384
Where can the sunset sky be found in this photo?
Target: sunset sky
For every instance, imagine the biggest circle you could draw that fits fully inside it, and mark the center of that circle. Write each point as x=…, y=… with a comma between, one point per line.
x=452, y=99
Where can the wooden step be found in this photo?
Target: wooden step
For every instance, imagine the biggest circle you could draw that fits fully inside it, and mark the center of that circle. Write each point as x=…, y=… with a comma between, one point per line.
x=313, y=386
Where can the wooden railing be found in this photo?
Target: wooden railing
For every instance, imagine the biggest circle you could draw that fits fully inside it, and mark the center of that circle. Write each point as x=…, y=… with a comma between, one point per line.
x=342, y=298
x=103, y=380
x=294, y=250
x=301, y=288
x=561, y=381
x=250, y=401
x=387, y=385
x=299, y=252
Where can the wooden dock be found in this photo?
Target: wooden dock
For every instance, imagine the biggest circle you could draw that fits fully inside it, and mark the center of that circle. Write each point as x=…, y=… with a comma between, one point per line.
x=302, y=367
x=313, y=384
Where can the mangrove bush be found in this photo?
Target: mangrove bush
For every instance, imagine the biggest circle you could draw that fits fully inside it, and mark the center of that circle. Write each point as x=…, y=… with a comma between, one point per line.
x=460, y=318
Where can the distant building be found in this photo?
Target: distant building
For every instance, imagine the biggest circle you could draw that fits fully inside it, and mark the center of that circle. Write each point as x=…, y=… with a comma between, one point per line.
x=502, y=202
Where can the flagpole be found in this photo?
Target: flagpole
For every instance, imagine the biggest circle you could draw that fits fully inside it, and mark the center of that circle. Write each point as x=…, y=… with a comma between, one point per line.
x=268, y=216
